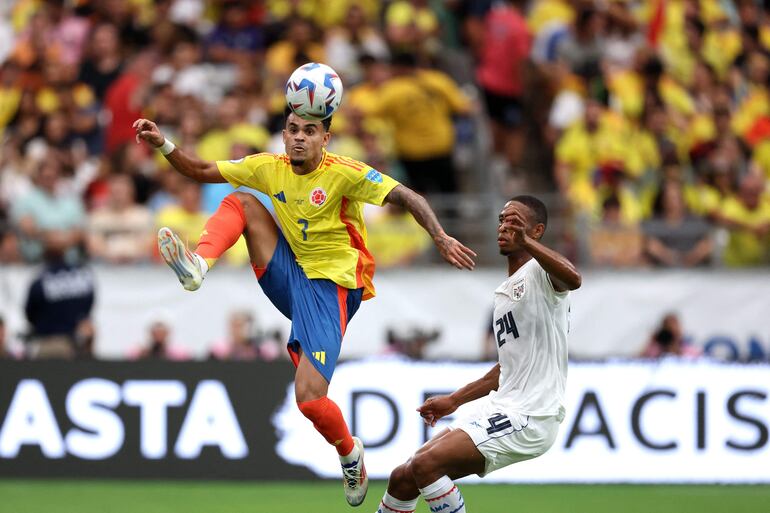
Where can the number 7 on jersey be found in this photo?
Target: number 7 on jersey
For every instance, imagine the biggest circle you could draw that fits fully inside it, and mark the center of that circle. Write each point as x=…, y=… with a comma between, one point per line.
x=305, y=223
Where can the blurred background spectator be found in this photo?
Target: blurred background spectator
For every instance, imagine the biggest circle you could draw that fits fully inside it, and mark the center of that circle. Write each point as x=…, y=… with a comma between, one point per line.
x=674, y=237
x=246, y=341
x=346, y=43
x=747, y=217
x=159, y=344
x=394, y=236
x=184, y=214
x=121, y=231
x=419, y=104
x=59, y=299
x=613, y=242
x=410, y=340
x=502, y=45
x=669, y=340
x=48, y=211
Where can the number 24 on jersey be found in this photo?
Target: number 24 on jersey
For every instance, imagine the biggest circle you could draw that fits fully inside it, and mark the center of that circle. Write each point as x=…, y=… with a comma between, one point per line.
x=506, y=325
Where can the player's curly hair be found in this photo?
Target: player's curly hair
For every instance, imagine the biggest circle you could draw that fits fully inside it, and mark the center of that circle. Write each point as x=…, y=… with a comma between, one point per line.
x=326, y=123
x=536, y=206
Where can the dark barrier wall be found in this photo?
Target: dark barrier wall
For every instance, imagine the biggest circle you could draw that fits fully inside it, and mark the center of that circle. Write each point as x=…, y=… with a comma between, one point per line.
x=142, y=420
x=671, y=421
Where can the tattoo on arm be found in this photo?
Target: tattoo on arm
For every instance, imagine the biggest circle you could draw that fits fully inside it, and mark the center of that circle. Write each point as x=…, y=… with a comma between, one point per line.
x=418, y=207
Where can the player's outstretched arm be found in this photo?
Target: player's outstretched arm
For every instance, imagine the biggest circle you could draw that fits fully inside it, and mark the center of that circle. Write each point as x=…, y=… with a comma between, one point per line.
x=442, y=405
x=563, y=273
x=450, y=248
x=191, y=167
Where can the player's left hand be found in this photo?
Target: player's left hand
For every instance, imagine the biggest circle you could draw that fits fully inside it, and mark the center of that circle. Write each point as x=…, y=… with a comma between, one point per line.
x=437, y=407
x=455, y=253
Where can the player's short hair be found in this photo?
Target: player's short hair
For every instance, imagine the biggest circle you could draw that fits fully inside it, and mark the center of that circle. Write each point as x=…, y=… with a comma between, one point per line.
x=327, y=123
x=536, y=206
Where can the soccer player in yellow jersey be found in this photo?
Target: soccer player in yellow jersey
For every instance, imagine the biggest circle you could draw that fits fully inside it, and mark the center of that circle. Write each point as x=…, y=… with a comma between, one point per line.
x=315, y=268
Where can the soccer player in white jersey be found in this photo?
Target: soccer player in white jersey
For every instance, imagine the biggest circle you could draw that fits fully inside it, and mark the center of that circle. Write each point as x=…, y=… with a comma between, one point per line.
x=521, y=399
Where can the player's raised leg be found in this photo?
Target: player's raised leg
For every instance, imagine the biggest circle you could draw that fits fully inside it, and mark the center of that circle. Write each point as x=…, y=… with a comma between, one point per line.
x=430, y=473
x=310, y=390
x=239, y=213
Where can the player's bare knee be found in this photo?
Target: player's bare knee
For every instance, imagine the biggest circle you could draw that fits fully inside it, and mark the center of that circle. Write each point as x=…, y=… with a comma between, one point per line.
x=423, y=463
x=253, y=209
x=401, y=474
x=260, y=225
x=243, y=197
x=309, y=384
x=306, y=392
x=401, y=483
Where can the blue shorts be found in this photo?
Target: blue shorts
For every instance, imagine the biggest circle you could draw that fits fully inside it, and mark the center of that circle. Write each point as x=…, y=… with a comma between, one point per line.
x=319, y=309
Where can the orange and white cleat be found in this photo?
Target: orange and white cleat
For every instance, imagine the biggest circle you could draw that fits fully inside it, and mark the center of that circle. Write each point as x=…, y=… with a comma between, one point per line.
x=184, y=264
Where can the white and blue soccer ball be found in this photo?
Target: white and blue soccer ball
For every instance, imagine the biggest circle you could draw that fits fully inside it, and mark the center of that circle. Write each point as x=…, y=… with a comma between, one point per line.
x=314, y=91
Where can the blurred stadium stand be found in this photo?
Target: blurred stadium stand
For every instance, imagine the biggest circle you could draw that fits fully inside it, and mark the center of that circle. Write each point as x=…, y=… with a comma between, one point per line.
x=643, y=124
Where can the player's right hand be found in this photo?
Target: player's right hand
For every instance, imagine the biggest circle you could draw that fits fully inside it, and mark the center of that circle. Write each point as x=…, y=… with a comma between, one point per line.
x=454, y=252
x=437, y=407
x=148, y=131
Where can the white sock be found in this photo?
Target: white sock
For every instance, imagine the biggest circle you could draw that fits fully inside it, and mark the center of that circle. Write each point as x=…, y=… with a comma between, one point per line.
x=390, y=504
x=444, y=496
x=204, y=265
x=352, y=456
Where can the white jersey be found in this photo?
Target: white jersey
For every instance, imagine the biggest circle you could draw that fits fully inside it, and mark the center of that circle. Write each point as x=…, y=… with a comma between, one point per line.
x=531, y=322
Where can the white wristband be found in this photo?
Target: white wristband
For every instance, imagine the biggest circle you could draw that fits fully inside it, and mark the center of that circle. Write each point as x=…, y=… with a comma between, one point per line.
x=167, y=147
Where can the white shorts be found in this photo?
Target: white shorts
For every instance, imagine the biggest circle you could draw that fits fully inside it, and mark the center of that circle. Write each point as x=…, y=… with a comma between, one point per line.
x=505, y=437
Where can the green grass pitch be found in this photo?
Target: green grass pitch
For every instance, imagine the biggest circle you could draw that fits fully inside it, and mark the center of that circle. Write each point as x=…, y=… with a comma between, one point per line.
x=60, y=496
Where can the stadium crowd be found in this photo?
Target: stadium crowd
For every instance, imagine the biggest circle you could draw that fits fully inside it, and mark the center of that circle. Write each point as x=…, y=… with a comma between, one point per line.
x=648, y=121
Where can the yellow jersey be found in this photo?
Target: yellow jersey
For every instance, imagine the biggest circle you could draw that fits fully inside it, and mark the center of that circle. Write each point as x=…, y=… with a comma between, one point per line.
x=320, y=213
x=745, y=248
x=420, y=109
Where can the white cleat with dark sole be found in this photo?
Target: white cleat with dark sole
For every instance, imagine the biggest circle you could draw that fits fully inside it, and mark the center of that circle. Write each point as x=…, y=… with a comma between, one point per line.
x=184, y=264
x=354, y=478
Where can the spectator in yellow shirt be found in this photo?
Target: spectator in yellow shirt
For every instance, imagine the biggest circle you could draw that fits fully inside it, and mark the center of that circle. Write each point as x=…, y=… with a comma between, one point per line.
x=747, y=218
x=419, y=104
x=754, y=101
x=184, y=216
x=612, y=242
x=597, y=142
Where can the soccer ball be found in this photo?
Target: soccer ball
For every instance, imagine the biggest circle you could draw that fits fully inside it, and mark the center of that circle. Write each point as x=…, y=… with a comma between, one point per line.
x=314, y=91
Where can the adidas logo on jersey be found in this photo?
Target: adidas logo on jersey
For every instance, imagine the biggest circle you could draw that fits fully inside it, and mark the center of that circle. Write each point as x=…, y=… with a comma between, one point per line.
x=320, y=356
x=280, y=197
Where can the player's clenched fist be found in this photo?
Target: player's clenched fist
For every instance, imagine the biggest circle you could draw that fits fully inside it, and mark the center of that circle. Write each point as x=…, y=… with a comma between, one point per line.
x=148, y=131
x=437, y=407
